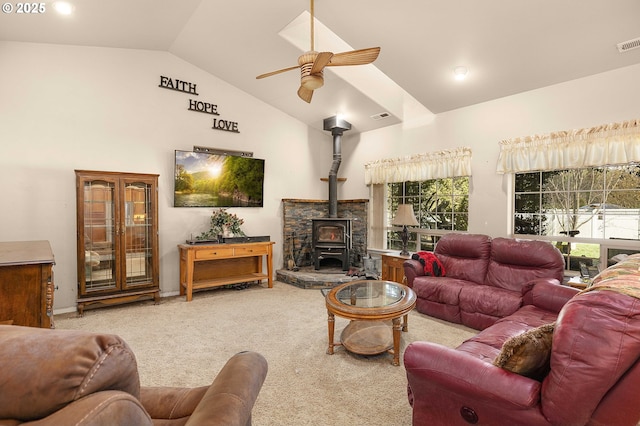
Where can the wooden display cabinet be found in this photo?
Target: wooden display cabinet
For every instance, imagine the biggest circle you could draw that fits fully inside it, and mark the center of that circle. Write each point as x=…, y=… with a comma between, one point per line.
x=392, y=267
x=26, y=283
x=117, y=230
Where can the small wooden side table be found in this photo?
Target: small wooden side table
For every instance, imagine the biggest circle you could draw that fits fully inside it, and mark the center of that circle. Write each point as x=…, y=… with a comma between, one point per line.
x=392, y=267
x=577, y=282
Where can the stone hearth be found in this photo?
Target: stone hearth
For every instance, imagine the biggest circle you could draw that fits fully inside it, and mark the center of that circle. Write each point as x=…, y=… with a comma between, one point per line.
x=308, y=278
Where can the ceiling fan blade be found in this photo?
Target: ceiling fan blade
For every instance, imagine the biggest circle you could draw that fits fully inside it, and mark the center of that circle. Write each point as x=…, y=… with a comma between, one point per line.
x=269, y=74
x=355, y=57
x=305, y=94
x=321, y=61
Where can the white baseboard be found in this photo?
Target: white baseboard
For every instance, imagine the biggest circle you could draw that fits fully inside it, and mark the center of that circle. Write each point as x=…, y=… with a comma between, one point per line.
x=64, y=310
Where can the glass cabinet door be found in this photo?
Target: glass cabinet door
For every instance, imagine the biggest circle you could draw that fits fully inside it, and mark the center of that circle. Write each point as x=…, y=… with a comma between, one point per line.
x=100, y=233
x=117, y=234
x=138, y=233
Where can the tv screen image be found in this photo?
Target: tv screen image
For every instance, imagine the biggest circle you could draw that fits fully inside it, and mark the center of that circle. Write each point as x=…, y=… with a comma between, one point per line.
x=204, y=179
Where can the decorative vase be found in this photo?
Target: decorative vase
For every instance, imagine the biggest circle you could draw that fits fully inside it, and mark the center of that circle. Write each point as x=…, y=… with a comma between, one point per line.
x=227, y=233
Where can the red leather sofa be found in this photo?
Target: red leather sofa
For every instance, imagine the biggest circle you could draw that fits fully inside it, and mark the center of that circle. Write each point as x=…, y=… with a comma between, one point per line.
x=484, y=277
x=593, y=358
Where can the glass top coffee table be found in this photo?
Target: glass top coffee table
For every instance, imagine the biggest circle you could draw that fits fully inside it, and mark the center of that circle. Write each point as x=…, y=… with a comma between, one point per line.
x=370, y=305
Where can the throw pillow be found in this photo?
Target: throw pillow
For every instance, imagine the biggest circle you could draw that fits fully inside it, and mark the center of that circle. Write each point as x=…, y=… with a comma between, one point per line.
x=528, y=354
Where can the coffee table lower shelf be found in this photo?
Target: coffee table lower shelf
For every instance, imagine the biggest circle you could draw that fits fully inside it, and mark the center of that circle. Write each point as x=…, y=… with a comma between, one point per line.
x=367, y=337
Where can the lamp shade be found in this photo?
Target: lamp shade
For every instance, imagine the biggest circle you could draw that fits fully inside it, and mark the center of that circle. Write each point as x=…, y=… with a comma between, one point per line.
x=405, y=216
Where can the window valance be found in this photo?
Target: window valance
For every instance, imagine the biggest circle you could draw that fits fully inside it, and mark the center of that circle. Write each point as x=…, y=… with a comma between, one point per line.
x=419, y=167
x=609, y=144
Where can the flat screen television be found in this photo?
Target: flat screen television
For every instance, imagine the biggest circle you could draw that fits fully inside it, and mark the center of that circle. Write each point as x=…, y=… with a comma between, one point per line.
x=203, y=179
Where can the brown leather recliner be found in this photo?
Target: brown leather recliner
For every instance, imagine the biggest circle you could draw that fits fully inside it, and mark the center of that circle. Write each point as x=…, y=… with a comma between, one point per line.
x=69, y=377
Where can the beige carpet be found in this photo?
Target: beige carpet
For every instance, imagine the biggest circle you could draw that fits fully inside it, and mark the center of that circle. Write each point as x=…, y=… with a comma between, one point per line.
x=185, y=344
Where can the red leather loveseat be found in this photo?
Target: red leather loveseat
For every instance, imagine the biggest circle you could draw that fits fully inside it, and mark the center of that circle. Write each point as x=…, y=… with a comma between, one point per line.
x=592, y=355
x=485, y=277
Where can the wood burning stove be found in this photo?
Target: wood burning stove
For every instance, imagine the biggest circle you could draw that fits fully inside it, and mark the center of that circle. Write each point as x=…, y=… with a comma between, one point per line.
x=331, y=239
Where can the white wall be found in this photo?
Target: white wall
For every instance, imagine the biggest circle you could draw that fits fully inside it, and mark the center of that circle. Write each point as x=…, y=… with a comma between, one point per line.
x=64, y=108
x=587, y=102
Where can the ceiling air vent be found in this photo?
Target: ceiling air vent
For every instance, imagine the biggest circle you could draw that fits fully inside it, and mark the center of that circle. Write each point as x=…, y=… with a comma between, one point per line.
x=629, y=45
x=381, y=115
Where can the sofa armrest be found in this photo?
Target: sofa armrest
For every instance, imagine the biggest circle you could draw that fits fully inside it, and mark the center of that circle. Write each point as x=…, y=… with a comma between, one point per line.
x=105, y=408
x=547, y=294
x=230, y=398
x=462, y=374
x=170, y=403
x=412, y=269
x=228, y=401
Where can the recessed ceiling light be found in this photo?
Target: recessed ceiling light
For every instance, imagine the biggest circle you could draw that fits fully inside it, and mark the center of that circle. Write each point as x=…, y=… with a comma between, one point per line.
x=63, y=7
x=460, y=72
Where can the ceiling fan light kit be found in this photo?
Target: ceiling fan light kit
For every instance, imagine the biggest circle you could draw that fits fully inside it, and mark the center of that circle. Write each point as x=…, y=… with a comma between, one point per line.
x=312, y=81
x=312, y=69
x=312, y=64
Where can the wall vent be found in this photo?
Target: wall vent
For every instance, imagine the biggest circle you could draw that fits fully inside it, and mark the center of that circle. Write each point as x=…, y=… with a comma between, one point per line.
x=629, y=45
x=380, y=116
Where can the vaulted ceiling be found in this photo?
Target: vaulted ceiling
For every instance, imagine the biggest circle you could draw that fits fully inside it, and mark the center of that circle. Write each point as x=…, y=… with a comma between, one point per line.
x=508, y=46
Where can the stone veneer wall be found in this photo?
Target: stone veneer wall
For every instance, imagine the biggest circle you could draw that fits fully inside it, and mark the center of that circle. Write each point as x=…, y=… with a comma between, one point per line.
x=297, y=229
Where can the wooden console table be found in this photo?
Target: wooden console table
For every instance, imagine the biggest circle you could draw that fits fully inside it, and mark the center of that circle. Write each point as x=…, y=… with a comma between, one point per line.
x=212, y=265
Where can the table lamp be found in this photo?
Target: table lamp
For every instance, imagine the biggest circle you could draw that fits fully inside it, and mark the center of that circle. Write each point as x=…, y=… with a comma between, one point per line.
x=405, y=217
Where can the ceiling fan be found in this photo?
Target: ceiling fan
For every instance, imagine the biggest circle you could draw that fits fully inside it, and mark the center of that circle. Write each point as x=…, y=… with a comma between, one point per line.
x=312, y=64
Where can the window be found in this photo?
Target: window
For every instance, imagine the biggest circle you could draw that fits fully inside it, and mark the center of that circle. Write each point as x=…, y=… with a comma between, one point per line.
x=578, y=188
x=602, y=202
x=591, y=204
x=440, y=205
x=435, y=183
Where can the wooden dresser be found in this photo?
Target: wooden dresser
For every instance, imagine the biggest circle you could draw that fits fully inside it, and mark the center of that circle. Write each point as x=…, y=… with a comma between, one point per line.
x=26, y=283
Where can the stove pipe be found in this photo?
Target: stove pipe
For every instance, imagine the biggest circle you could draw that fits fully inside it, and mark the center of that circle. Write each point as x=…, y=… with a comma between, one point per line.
x=337, y=126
